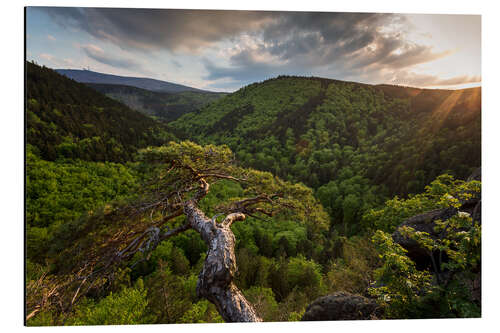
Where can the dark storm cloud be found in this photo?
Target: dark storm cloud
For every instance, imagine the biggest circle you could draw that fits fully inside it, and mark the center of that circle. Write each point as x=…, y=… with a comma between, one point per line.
x=356, y=42
x=153, y=29
x=342, y=32
x=282, y=42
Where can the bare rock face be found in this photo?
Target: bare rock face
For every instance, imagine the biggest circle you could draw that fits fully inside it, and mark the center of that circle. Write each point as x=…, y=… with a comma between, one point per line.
x=342, y=306
x=423, y=222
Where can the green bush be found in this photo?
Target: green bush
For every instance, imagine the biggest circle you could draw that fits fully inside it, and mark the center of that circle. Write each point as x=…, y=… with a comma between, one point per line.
x=128, y=307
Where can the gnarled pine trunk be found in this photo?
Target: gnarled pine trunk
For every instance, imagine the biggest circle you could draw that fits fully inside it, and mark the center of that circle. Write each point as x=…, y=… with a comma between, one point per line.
x=215, y=281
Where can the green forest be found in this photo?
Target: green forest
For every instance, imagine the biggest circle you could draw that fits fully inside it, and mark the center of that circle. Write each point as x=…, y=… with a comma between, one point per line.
x=159, y=105
x=315, y=194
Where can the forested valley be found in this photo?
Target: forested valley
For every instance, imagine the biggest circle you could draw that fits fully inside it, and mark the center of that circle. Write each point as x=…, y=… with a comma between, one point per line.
x=160, y=105
x=340, y=195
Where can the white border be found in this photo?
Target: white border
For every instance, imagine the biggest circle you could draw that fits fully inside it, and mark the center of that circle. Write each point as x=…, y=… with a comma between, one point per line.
x=12, y=194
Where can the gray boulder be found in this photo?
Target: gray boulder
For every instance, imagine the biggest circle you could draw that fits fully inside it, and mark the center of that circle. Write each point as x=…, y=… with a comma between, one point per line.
x=342, y=306
x=422, y=222
x=425, y=222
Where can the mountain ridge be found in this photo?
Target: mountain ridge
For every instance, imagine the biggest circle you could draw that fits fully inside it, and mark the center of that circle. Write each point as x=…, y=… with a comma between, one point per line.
x=87, y=76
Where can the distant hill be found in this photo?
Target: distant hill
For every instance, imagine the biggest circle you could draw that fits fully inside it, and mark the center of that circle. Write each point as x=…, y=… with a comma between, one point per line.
x=319, y=130
x=87, y=76
x=163, y=105
x=67, y=119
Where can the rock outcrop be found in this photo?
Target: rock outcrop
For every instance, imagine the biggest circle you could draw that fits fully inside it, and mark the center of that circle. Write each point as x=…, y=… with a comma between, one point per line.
x=342, y=306
x=425, y=222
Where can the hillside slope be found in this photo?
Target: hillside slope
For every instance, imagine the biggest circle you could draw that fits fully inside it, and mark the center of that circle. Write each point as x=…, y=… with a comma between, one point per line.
x=68, y=119
x=356, y=144
x=87, y=76
x=163, y=105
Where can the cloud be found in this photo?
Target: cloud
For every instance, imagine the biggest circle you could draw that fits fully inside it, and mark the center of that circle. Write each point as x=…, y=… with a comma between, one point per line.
x=99, y=55
x=254, y=45
x=244, y=72
x=352, y=43
x=46, y=56
x=319, y=37
x=147, y=29
x=176, y=63
x=426, y=80
x=66, y=62
x=394, y=53
x=51, y=38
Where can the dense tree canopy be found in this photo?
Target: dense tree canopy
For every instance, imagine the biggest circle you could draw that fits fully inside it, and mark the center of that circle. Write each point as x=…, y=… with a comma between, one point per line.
x=91, y=250
x=287, y=190
x=361, y=144
x=68, y=119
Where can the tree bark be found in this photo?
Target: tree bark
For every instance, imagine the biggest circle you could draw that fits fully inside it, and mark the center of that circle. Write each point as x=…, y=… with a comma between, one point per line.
x=215, y=281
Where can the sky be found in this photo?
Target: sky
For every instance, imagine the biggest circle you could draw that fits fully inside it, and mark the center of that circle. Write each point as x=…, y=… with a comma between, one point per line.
x=226, y=50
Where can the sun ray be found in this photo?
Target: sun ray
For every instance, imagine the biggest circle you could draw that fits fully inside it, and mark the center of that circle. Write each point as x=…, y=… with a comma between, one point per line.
x=442, y=111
